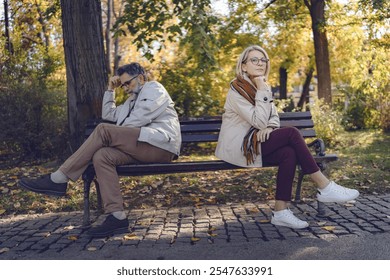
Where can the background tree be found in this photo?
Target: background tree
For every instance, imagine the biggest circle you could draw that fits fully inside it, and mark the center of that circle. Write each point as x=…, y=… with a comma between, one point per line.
x=86, y=71
x=317, y=13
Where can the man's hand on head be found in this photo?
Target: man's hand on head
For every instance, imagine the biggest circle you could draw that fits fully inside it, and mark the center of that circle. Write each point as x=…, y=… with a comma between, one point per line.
x=114, y=82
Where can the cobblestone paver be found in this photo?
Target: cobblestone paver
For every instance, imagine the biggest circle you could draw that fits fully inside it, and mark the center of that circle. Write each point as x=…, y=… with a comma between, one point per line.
x=209, y=225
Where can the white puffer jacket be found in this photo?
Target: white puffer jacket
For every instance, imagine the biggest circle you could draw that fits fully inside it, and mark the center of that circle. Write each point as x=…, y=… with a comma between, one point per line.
x=152, y=110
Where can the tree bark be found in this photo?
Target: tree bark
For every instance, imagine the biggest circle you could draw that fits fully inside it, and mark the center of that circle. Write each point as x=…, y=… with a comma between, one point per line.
x=86, y=71
x=304, y=99
x=117, y=57
x=108, y=37
x=8, y=43
x=283, y=83
x=317, y=13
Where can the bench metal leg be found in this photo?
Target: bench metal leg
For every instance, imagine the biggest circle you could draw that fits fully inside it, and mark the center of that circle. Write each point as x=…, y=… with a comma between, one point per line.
x=87, y=177
x=99, y=196
x=297, y=198
x=321, y=212
x=321, y=209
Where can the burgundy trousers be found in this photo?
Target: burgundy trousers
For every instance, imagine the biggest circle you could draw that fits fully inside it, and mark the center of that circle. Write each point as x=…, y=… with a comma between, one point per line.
x=287, y=148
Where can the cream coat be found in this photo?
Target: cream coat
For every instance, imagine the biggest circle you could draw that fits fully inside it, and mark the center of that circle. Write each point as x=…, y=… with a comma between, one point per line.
x=237, y=119
x=152, y=110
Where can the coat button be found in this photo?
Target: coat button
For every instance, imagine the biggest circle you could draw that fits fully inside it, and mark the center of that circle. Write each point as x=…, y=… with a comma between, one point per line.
x=265, y=99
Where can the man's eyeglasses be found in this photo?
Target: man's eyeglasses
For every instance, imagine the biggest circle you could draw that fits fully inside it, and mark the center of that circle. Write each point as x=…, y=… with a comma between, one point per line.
x=256, y=60
x=125, y=84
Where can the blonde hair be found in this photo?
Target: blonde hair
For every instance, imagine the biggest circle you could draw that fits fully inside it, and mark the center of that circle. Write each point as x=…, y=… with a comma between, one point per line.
x=244, y=56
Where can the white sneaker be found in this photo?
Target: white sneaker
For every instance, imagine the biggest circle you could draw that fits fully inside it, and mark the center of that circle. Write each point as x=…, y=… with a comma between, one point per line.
x=286, y=218
x=336, y=193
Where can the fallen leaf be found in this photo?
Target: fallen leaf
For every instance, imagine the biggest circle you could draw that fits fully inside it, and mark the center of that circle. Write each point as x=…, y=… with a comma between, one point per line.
x=349, y=205
x=91, y=248
x=3, y=250
x=2, y=211
x=264, y=221
x=73, y=237
x=68, y=227
x=329, y=228
x=321, y=223
x=254, y=210
x=131, y=236
x=195, y=239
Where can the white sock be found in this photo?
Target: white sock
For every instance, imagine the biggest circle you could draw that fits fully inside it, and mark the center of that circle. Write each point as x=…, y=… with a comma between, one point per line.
x=59, y=177
x=326, y=189
x=278, y=213
x=120, y=215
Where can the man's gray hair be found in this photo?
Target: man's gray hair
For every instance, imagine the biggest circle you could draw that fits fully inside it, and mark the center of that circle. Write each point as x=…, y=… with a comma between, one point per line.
x=132, y=69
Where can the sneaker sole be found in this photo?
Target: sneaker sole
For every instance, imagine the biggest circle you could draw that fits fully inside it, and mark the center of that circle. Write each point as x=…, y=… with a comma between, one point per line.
x=47, y=192
x=320, y=199
x=109, y=233
x=287, y=225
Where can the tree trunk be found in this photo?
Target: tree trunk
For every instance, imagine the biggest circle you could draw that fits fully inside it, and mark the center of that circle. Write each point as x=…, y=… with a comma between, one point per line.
x=108, y=37
x=86, y=71
x=317, y=13
x=304, y=99
x=283, y=83
x=117, y=57
x=8, y=44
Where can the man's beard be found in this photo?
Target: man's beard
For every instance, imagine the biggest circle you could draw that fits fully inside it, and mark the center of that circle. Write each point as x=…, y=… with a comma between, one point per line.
x=136, y=90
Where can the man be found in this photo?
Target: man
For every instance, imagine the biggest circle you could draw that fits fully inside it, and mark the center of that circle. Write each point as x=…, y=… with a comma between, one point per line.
x=147, y=130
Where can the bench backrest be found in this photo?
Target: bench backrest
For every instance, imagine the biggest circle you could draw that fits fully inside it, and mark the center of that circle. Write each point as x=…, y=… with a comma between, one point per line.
x=206, y=129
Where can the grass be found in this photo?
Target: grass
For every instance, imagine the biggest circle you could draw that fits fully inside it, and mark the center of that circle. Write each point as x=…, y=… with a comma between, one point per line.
x=364, y=164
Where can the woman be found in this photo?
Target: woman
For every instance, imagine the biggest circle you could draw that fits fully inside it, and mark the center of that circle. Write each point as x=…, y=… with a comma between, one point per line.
x=251, y=136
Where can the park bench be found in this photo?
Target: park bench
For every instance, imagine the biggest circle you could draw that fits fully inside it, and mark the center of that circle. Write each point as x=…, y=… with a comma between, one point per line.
x=204, y=130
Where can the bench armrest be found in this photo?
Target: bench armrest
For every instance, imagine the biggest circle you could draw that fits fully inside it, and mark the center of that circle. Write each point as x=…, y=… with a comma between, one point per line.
x=319, y=146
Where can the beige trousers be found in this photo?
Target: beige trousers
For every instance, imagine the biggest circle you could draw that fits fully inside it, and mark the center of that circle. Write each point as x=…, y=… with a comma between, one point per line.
x=108, y=146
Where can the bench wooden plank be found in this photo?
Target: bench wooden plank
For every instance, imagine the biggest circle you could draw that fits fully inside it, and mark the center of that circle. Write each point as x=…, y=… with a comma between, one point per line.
x=191, y=166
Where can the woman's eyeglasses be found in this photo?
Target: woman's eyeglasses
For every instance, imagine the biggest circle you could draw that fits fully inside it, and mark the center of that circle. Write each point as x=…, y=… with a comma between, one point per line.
x=256, y=60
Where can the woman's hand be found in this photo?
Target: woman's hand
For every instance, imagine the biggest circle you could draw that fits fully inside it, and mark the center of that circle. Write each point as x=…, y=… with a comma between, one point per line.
x=261, y=83
x=263, y=135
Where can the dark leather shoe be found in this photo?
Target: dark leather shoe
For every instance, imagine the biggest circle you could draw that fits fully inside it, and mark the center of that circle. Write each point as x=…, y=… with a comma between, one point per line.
x=44, y=185
x=109, y=227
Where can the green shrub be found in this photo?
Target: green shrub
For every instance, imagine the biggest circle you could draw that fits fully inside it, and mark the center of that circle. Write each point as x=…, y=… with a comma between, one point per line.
x=327, y=122
x=32, y=120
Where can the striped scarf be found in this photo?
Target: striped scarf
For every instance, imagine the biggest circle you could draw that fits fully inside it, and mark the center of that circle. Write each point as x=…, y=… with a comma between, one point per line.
x=249, y=144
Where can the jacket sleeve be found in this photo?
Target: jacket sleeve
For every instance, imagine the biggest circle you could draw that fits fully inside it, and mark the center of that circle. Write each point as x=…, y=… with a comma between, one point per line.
x=110, y=111
x=274, y=120
x=257, y=115
x=149, y=105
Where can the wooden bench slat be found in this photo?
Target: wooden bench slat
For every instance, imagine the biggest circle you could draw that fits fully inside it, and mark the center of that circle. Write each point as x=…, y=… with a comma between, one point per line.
x=199, y=137
x=215, y=127
x=188, y=167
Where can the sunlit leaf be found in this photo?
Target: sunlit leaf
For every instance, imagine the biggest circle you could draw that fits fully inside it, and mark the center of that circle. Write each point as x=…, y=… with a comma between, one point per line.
x=3, y=250
x=195, y=239
x=131, y=236
x=73, y=237
x=329, y=228
x=264, y=221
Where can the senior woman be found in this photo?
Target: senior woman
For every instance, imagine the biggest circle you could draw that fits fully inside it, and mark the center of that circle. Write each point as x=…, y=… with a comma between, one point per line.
x=251, y=136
